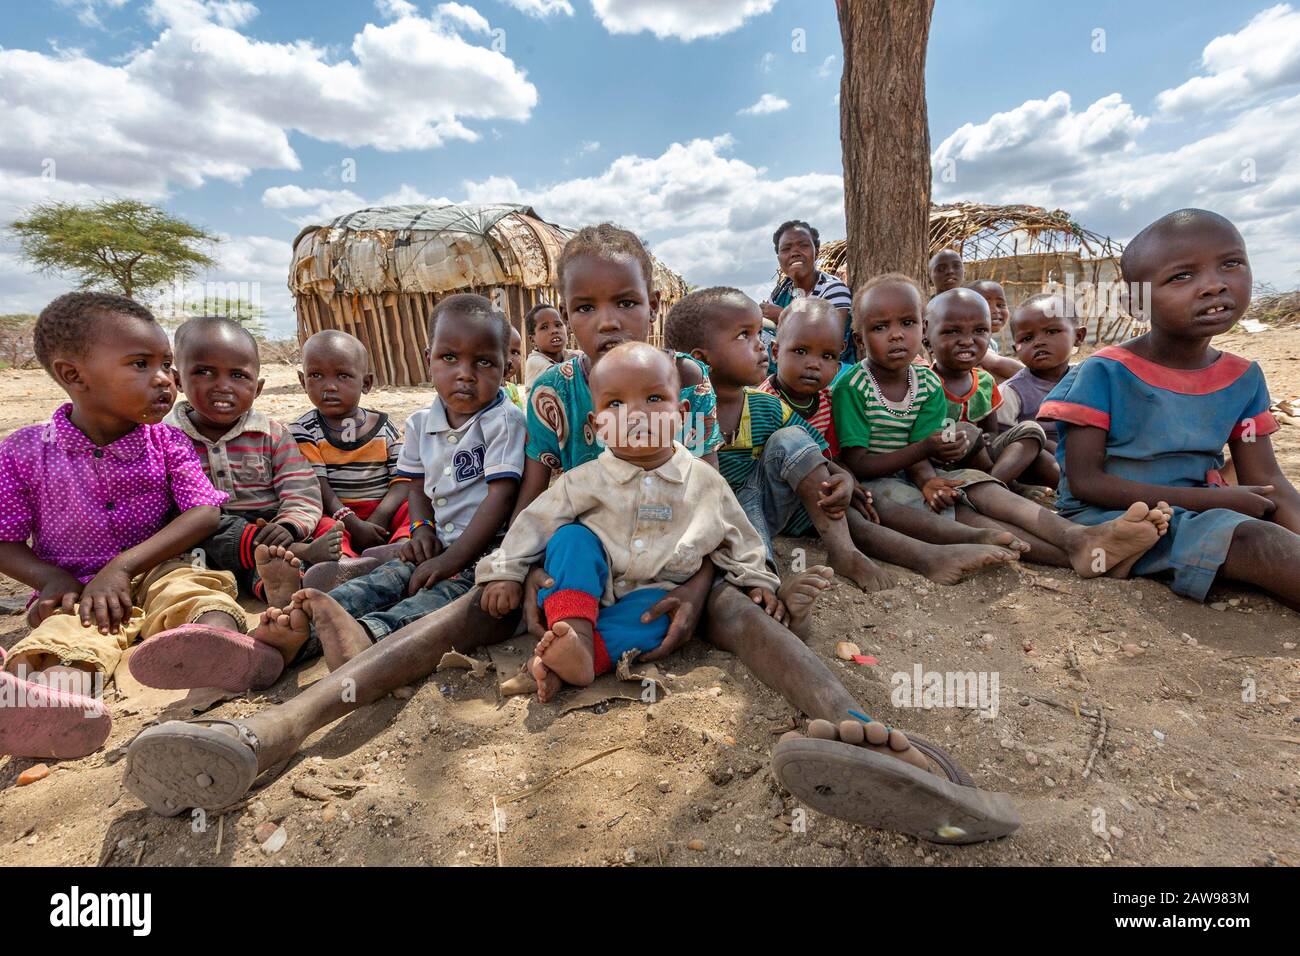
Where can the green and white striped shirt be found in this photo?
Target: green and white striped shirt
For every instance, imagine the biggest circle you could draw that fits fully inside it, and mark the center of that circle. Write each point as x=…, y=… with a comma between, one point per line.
x=866, y=419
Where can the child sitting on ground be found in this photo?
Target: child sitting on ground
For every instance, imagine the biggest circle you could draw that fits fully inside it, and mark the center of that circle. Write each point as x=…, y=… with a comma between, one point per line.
x=999, y=366
x=273, y=494
x=957, y=334
x=1045, y=334
x=946, y=271
x=806, y=354
x=108, y=497
x=1148, y=419
x=352, y=449
x=773, y=459
x=463, y=457
x=549, y=335
x=890, y=420
x=619, y=531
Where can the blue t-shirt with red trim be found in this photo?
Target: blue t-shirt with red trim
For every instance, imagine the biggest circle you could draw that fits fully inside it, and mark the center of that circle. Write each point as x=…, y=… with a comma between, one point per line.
x=1163, y=426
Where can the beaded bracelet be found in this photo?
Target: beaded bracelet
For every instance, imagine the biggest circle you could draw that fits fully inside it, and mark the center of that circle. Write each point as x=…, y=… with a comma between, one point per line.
x=422, y=523
x=342, y=513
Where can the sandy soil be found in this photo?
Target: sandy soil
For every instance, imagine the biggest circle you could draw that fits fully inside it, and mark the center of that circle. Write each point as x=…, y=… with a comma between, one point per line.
x=1189, y=773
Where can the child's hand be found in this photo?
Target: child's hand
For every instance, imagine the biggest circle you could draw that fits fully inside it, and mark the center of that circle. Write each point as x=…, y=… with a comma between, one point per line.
x=770, y=603
x=835, y=494
x=943, y=449
x=940, y=493
x=421, y=546
x=1253, y=500
x=864, y=505
x=429, y=573
x=501, y=597
x=365, y=534
x=60, y=593
x=271, y=534
x=536, y=580
x=106, y=600
x=683, y=604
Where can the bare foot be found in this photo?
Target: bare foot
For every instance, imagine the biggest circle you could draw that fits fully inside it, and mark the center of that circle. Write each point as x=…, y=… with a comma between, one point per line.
x=328, y=575
x=1159, y=516
x=281, y=573
x=328, y=547
x=283, y=630
x=873, y=736
x=1096, y=549
x=799, y=592
x=860, y=569
x=950, y=563
x=341, y=636
x=546, y=682
x=1003, y=539
x=567, y=649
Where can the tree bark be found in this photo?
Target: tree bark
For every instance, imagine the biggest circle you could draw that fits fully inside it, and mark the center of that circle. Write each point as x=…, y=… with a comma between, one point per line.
x=885, y=136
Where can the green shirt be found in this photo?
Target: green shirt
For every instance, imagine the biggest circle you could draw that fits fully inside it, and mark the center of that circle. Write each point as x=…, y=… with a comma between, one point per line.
x=761, y=415
x=866, y=419
x=981, y=401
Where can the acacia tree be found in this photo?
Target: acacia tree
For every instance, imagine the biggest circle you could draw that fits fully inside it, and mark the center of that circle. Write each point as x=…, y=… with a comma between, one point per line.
x=885, y=135
x=118, y=245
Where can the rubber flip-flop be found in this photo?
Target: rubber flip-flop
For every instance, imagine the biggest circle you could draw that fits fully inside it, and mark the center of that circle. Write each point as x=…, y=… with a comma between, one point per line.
x=182, y=764
x=195, y=655
x=854, y=783
x=36, y=721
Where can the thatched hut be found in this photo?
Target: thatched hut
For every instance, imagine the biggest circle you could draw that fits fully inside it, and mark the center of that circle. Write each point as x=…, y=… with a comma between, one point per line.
x=1028, y=250
x=377, y=273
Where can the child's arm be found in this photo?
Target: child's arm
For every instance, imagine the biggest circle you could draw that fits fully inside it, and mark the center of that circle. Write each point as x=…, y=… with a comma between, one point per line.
x=1003, y=366
x=536, y=478
x=473, y=541
x=55, y=588
x=866, y=466
x=106, y=599
x=1085, y=458
x=295, y=486
x=423, y=543
x=1257, y=465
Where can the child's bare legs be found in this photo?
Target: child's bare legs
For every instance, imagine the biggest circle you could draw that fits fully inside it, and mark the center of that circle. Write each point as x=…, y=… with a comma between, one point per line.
x=844, y=557
x=1092, y=550
x=1264, y=554
x=1015, y=460
x=566, y=653
x=922, y=524
x=943, y=564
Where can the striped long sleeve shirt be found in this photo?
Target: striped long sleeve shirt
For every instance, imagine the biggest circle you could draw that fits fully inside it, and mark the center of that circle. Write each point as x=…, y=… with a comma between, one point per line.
x=259, y=465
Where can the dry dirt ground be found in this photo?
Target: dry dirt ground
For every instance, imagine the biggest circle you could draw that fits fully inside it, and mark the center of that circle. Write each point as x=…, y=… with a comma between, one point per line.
x=1193, y=768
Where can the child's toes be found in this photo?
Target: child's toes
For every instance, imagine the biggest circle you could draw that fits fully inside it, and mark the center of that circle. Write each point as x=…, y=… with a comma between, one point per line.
x=852, y=732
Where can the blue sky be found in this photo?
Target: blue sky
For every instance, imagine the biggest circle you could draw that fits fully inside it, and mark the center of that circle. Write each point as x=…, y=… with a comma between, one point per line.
x=245, y=118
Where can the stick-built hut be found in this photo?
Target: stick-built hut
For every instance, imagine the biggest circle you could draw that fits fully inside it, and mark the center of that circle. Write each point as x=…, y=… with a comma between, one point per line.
x=1028, y=250
x=378, y=272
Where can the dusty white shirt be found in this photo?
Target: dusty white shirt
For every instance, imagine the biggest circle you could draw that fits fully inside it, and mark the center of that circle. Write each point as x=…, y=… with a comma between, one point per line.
x=657, y=526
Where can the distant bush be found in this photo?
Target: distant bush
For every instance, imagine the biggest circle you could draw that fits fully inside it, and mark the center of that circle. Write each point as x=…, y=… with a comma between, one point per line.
x=16, y=341
x=280, y=351
x=1272, y=307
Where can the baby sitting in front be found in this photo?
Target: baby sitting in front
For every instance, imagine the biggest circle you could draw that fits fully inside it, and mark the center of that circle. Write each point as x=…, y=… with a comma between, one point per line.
x=618, y=531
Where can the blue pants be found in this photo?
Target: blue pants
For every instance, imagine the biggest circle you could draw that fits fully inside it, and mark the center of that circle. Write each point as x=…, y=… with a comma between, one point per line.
x=378, y=600
x=576, y=561
x=768, y=495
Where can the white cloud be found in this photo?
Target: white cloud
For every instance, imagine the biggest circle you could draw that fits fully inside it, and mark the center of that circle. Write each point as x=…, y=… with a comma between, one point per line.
x=707, y=214
x=767, y=61
x=88, y=10
x=767, y=103
x=309, y=206
x=684, y=19
x=1261, y=57
x=205, y=101
x=541, y=8
x=828, y=66
x=396, y=9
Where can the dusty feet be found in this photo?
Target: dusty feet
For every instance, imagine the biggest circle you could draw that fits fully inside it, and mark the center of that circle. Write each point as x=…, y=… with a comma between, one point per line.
x=327, y=575
x=285, y=629
x=873, y=736
x=566, y=653
x=328, y=547
x=860, y=569
x=950, y=563
x=1095, y=550
x=341, y=635
x=280, y=570
x=1003, y=539
x=799, y=593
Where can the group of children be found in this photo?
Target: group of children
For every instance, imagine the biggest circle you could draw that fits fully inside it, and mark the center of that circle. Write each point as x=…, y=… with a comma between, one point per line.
x=629, y=472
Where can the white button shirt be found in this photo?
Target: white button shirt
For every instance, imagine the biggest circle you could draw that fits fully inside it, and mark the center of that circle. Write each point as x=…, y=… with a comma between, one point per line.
x=657, y=526
x=456, y=464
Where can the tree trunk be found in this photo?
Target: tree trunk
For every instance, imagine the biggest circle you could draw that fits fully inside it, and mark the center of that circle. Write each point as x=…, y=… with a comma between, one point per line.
x=885, y=136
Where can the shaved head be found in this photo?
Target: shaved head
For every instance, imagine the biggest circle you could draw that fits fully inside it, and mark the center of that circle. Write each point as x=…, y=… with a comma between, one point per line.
x=952, y=302
x=632, y=355
x=334, y=342
x=1147, y=251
